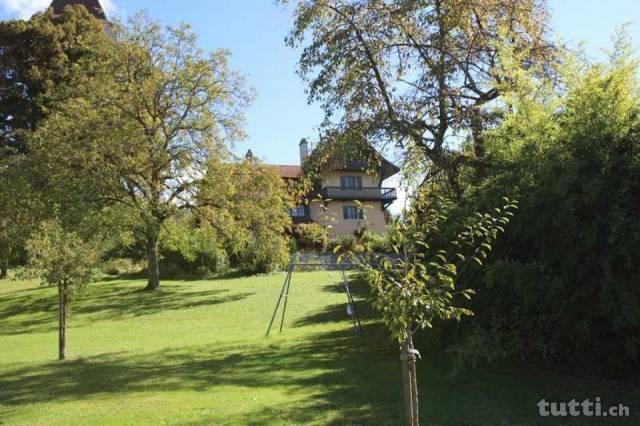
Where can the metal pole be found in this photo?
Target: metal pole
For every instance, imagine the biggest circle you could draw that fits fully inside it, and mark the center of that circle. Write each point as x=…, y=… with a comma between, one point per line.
x=286, y=299
x=275, y=311
x=357, y=327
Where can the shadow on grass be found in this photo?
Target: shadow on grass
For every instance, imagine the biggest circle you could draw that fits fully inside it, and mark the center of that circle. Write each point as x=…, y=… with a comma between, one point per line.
x=328, y=370
x=332, y=379
x=338, y=312
x=109, y=300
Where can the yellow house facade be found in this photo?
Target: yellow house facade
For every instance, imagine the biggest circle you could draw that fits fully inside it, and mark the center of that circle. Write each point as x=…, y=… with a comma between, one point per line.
x=352, y=196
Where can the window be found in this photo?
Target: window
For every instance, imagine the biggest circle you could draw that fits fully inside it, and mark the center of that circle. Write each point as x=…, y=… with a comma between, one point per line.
x=351, y=182
x=352, y=213
x=299, y=211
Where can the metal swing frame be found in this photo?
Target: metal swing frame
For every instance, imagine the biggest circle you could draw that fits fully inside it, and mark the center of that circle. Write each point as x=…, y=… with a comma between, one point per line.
x=286, y=286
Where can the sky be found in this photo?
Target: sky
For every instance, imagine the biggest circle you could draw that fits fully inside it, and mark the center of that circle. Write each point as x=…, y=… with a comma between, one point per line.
x=254, y=32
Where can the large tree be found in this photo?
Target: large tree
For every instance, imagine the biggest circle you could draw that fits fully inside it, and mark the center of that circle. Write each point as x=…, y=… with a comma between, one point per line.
x=140, y=127
x=36, y=57
x=420, y=73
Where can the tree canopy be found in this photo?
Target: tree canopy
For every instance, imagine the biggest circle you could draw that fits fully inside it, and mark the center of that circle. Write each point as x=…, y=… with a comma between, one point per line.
x=140, y=127
x=418, y=74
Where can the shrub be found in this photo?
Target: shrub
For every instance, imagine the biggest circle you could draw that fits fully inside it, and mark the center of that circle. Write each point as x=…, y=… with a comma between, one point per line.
x=120, y=267
x=311, y=236
x=345, y=243
x=264, y=253
x=185, y=248
x=372, y=241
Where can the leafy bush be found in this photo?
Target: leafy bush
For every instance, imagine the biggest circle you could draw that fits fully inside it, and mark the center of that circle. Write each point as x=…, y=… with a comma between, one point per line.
x=564, y=282
x=311, y=236
x=264, y=253
x=185, y=248
x=372, y=241
x=345, y=243
x=118, y=267
x=172, y=270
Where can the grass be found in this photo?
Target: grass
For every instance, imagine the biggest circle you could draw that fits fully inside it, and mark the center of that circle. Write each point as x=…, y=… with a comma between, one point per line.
x=195, y=353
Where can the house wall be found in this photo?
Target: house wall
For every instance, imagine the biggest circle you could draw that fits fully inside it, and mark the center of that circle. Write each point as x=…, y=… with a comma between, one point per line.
x=333, y=217
x=368, y=181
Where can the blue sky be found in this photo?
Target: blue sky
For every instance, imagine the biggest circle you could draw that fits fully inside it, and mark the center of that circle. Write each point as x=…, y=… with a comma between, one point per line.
x=254, y=31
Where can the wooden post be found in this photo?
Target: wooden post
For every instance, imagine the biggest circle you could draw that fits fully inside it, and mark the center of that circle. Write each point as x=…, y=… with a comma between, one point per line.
x=62, y=321
x=410, y=383
x=406, y=383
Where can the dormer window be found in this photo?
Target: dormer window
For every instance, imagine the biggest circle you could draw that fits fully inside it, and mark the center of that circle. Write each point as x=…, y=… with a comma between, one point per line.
x=351, y=182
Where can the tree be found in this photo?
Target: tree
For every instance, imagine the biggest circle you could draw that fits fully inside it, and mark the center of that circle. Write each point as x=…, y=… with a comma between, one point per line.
x=570, y=255
x=61, y=259
x=140, y=127
x=420, y=73
x=418, y=288
x=36, y=57
x=248, y=204
x=21, y=210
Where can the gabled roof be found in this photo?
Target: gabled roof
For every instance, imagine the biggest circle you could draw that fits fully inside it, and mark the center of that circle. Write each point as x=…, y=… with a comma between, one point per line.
x=347, y=154
x=287, y=172
x=93, y=6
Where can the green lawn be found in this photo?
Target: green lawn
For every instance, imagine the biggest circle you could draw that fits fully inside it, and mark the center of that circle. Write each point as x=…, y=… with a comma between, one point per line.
x=195, y=353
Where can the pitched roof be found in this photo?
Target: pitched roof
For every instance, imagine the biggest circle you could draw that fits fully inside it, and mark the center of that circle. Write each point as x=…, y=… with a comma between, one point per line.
x=93, y=6
x=288, y=172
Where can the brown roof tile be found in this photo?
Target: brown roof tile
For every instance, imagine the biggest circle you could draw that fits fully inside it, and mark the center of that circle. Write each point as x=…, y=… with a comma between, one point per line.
x=288, y=172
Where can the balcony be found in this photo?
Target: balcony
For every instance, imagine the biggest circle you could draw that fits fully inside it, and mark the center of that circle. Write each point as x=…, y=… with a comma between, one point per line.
x=386, y=195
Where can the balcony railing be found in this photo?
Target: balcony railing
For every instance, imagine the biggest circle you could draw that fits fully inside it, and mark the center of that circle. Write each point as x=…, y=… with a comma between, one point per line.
x=387, y=195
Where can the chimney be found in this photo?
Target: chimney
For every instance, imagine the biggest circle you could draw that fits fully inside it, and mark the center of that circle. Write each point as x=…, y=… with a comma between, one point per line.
x=304, y=150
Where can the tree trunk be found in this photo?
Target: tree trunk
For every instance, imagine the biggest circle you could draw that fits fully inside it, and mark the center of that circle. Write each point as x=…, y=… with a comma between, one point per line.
x=410, y=381
x=62, y=321
x=153, y=266
x=4, y=265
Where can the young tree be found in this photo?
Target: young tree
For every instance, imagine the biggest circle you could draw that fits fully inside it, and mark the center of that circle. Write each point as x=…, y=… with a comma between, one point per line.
x=61, y=259
x=419, y=287
x=140, y=127
x=417, y=73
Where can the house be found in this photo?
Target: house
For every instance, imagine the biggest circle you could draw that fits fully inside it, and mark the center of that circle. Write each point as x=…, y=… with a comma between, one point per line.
x=350, y=187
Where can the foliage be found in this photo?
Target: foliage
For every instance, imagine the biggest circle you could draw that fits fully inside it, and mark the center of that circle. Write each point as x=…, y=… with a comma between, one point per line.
x=139, y=127
x=264, y=252
x=119, y=267
x=247, y=203
x=61, y=258
x=418, y=74
x=36, y=56
x=196, y=250
x=311, y=236
x=564, y=283
x=417, y=288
